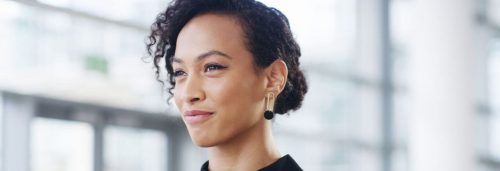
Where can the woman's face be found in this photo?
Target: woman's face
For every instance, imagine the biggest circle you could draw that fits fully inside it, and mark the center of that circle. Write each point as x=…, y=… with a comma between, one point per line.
x=218, y=90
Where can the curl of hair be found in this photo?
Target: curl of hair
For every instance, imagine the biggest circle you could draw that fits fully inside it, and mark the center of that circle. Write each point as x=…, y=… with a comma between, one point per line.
x=267, y=36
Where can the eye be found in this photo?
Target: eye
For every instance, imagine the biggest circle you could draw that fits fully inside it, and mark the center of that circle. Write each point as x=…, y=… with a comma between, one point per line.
x=213, y=67
x=179, y=73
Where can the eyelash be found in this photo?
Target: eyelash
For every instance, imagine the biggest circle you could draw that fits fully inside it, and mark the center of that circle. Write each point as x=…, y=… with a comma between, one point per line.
x=208, y=67
x=179, y=73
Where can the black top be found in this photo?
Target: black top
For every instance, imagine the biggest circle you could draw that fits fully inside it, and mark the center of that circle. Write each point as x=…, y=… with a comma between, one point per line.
x=285, y=163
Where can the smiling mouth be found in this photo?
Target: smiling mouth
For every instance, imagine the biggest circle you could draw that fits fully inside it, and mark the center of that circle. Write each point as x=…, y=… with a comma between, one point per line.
x=193, y=117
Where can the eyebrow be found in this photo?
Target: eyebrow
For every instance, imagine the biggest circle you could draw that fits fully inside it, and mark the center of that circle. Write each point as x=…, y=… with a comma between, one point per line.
x=205, y=55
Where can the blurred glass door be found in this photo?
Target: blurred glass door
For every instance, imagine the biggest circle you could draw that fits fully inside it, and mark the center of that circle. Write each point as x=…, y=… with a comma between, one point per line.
x=61, y=145
x=134, y=149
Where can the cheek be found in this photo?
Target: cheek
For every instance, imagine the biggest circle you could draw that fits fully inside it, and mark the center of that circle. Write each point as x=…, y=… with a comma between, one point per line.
x=235, y=94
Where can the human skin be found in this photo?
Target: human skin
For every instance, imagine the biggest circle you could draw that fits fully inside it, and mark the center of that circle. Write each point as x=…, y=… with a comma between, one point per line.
x=221, y=93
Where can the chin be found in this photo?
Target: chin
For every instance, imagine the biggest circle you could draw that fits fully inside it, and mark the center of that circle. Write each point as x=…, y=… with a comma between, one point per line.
x=202, y=138
x=202, y=141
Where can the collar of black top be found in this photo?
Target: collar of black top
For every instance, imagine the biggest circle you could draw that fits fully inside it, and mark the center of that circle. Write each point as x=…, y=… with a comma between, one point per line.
x=285, y=163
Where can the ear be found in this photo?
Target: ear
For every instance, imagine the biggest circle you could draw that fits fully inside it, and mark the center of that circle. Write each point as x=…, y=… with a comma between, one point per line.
x=276, y=75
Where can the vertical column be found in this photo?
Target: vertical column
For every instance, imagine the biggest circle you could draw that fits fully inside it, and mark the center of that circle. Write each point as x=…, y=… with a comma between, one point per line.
x=18, y=112
x=374, y=62
x=98, y=126
x=442, y=87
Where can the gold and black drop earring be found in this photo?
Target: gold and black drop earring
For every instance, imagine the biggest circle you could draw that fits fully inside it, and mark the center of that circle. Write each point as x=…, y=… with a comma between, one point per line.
x=269, y=114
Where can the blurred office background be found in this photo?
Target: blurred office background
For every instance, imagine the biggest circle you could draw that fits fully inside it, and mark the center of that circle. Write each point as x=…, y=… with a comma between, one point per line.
x=401, y=85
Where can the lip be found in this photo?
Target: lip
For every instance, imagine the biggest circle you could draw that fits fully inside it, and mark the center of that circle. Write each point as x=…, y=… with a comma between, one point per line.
x=197, y=116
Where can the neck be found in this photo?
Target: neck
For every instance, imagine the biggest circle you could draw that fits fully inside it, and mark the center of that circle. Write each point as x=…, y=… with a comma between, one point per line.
x=251, y=150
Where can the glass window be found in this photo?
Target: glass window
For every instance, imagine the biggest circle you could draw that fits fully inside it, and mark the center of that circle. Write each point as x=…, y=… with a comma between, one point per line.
x=325, y=30
x=493, y=12
x=18, y=40
x=140, y=12
x=1, y=129
x=132, y=149
x=328, y=104
x=494, y=80
x=61, y=145
x=494, y=74
x=338, y=120
x=399, y=159
x=319, y=154
x=341, y=110
x=495, y=137
x=66, y=49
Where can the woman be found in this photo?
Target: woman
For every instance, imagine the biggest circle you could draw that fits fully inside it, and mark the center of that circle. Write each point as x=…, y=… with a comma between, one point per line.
x=231, y=65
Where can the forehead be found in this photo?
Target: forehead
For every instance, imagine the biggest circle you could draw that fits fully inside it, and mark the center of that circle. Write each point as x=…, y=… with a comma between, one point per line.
x=210, y=32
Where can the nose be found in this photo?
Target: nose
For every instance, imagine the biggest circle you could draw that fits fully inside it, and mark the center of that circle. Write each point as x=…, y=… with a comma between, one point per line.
x=193, y=90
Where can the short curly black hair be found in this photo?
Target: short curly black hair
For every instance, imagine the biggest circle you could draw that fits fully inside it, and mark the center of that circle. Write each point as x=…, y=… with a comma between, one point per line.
x=267, y=36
